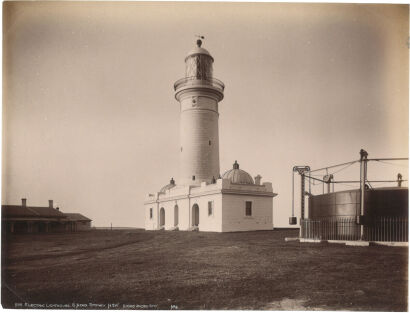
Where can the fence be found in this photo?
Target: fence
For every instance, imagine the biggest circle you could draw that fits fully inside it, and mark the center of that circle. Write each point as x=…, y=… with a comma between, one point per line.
x=330, y=229
x=377, y=229
x=387, y=229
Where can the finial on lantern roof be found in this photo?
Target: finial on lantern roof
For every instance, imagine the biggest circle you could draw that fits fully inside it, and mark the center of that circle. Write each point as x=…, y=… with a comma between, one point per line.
x=236, y=165
x=199, y=41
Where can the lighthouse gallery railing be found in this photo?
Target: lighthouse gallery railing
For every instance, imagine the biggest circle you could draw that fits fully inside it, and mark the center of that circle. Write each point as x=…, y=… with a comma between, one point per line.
x=195, y=81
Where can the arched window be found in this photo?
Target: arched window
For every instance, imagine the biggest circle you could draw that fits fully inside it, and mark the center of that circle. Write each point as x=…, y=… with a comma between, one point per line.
x=162, y=217
x=176, y=215
x=195, y=215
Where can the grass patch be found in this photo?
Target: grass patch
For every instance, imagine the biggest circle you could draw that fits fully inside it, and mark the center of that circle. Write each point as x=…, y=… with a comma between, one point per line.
x=251, y=270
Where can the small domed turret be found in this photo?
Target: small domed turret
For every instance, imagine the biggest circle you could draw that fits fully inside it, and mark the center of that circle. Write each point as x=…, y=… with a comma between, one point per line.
x=169, y=186
x=238, y=176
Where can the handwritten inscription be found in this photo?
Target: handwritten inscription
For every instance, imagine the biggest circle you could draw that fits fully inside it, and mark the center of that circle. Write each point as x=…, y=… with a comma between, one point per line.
x=85, y=306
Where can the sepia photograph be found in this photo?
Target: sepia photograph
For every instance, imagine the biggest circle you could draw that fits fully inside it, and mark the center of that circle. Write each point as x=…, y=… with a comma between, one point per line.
x=205, y=156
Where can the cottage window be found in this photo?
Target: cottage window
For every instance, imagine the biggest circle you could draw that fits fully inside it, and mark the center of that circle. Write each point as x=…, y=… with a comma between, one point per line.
x=150, y=213
x=248, y=208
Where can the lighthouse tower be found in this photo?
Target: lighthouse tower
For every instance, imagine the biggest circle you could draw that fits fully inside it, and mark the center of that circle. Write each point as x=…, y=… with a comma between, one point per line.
x=198, y=94
x=203, y=198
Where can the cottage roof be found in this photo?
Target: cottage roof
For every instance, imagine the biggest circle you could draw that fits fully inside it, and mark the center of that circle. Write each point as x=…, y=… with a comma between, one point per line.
x=30, y=211
x=18, y=211
x=76, y=217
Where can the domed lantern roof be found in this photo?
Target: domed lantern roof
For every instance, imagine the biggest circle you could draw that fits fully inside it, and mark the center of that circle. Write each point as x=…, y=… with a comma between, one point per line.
x=238, y=176
x=198, y=50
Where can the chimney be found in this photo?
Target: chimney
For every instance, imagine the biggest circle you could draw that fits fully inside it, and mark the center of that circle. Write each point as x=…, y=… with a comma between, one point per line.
x=24, y=202
x=258, y=179
x=50, y=204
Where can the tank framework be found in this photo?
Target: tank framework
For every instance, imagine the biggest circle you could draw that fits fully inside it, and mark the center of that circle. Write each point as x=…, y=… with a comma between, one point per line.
x=365, y=214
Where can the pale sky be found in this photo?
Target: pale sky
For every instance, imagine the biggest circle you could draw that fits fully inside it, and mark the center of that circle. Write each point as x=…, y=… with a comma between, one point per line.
x=90, y=118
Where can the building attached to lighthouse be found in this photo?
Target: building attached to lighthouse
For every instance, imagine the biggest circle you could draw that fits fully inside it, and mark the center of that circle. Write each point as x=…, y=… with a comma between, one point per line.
x=201, y=198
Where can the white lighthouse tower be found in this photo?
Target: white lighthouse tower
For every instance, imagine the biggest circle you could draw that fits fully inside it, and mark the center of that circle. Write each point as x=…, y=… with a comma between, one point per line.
x=199, y=94
x=201, y=198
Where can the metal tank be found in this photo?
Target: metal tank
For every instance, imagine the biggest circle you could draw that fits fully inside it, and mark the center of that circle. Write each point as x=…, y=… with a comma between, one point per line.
x=386, y=202
x=335, y=204
x=334, y=215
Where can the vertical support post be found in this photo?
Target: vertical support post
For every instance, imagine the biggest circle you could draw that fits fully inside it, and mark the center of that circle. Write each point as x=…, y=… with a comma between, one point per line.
x=363, y=177
x=29, y=227
x=301, y=170
x=327, y=179
x=157, y=226
x=302, y=193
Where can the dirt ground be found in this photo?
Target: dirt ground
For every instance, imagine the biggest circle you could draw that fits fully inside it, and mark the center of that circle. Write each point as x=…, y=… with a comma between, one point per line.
x=137, y=269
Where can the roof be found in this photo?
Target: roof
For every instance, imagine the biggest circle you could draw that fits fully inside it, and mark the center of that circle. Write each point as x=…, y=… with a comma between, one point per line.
x=390, y=188
x=367, y=190
x=29, y=211
x=238, y=176
x=76, y=217
x=198, y=50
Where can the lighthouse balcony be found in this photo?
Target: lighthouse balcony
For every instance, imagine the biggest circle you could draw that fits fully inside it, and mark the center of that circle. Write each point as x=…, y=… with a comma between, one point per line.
x=196, y=81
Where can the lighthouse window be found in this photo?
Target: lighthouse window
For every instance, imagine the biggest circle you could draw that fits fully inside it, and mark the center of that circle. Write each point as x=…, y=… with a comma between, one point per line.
x=210, y=208
x=248, y=208
x=150, y=213
x=181, y=149
x=209, y=142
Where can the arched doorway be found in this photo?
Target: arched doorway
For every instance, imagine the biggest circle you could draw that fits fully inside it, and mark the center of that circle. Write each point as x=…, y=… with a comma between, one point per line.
x=176, y=215
x=195, y=215
x=162, y=217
